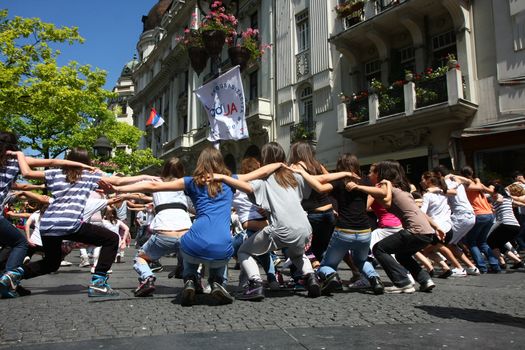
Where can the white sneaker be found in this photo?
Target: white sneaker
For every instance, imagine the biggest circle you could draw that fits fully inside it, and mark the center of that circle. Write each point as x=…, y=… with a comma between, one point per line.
x=472, y=271
x=412, y=280
x=65, y=263
x=84, y=262
x=26, y=260
x=408, y=289
x=456, y=272
x=427, y=286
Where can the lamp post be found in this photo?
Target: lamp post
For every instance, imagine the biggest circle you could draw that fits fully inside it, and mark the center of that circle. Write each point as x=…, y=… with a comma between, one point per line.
x=102, y=148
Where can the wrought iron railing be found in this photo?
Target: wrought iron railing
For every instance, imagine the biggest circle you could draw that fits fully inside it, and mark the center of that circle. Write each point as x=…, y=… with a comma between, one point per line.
x=302, y=63
x=432, y=91
x=357, y=112
x=303, y=131
x=391, y=101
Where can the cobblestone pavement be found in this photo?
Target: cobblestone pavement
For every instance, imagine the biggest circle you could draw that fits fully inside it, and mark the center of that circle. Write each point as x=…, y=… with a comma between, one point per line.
x=60, y=311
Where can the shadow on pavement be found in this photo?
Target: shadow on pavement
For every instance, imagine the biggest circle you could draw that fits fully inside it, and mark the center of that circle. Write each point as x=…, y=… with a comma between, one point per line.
x=473, y=315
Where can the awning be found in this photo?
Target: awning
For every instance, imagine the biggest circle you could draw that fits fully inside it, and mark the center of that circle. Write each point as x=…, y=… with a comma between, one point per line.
x=514, y=124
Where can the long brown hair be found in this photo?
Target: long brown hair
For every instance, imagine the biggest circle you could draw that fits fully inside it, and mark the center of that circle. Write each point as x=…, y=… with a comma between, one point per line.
x=435, y=180
x=8, y=142
x=302, y=151
x=249, y=164
x=210, y=161
x=173, y=169
x=272, y=152
x=392, y=171
x=80, y=155
x=111, y=214
x=348, y=162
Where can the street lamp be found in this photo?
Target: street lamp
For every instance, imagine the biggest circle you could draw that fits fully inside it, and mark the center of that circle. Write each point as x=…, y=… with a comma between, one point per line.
x=102, y=148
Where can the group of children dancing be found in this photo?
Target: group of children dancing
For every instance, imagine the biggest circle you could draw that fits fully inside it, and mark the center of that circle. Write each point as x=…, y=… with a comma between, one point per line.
x=296, y=206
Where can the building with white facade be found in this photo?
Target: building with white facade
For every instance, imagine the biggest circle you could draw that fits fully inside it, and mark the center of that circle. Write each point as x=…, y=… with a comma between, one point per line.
x=467, y=115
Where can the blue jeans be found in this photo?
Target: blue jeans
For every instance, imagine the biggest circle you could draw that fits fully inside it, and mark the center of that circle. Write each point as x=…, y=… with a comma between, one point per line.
x=264, y=260
x=217, y=268
x=476, y=240
x=11, y=237
x=342, y=242
x=156, y=247
x=322, y=228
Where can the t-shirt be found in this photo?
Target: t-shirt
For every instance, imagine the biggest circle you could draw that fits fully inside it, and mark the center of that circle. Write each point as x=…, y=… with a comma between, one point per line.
x=35, y=235
x=479, y=202
x=141, y=218
x=435, y=205
x=405, y=208
x=458, y=203
x=171, y=219
x=8, y=174
x=209, y=236
x=245, y=209
x=504, y=212
x=65, y=214
x=122, y=211
x=288, y=221
x=351, y=207
x=384, y=218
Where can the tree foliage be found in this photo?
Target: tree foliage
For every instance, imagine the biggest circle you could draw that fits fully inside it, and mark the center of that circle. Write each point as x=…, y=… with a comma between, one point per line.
x=53, y=108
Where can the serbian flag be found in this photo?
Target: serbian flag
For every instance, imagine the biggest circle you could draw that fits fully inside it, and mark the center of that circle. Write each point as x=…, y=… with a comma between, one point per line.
x=155, y=119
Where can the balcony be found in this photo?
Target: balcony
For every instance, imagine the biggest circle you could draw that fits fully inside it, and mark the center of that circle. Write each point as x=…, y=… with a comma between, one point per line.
x=352, y=13
x=428, y=103
x=303, y=131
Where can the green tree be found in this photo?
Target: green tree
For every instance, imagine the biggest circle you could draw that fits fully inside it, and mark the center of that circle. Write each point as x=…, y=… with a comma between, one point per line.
x=54, y=108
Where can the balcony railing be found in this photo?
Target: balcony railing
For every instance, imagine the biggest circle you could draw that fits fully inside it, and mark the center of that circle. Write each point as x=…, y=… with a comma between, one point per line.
x=357, y=112
x=406, y=99
x=364, y=10
x=391, y=101
x=302, y=63
x=303, y=131
x=430, y=92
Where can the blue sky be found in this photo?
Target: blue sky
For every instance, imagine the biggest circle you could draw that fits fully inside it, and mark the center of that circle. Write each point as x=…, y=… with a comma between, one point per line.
x=111, y=28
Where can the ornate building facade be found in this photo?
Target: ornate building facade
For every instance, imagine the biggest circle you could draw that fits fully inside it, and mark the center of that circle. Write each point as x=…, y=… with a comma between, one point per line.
x=315, y=82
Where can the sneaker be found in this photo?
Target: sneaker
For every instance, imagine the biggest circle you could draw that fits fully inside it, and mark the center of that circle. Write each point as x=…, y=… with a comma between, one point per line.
x=274, y=285
x=312, y=286
x=253, y=291
x=219, y=293
x=84, y=262
x=9, y=283
x=188, y=293
x=330, y=283
x=377, y=285
x=360, y=284
x=456, y=272
x=99, y=287
x=445, y=274
x=146, y=287
x=118, y=258
x=427, y=286
x=277, y=262
x=26, y=260
x=408, y=289
x=65, y=263
x=473, y=271
x=156, y=266
x=517, y=265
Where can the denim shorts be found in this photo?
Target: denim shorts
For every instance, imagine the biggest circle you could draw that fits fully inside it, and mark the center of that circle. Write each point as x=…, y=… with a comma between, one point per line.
x=159, y=245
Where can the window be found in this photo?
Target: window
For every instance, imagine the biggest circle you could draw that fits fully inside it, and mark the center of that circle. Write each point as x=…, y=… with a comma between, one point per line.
x=254, y=21
x=306, y=108
x=373, y=71
x=518, y=22
x=253, y=92
x=442, y=45
x=407, y=59
x=303, y=32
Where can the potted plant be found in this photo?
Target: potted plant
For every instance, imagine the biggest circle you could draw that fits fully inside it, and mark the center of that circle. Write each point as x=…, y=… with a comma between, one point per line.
x=192, y=41
x=375, y=86
x=245, y=47
x=215, y=26
x=348, y=7
x=452, y=63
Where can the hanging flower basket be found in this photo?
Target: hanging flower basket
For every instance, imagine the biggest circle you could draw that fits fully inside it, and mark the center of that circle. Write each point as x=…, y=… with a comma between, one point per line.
x=239, y=56
x=213, y=41
x=198, y=58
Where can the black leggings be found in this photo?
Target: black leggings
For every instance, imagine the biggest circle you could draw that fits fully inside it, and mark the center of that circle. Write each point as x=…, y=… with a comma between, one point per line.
x=501, y=235
x=87, y=233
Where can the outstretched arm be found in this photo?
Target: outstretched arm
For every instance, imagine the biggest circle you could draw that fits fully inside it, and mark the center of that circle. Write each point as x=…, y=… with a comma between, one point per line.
x=324, y=178
x=313, y=181
x=260, y=173
x=25, y=169
x=382, y=193
x=38, y=162
x=126, y=180
x=238, y=184
x=27, y=186
x=152, y=186
x=35, y=196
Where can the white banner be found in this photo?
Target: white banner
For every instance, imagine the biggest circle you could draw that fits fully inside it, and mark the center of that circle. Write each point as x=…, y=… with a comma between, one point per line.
x=223, y=98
